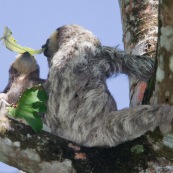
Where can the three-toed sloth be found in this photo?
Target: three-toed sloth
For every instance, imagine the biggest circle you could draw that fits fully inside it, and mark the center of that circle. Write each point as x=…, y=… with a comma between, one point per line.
x=80, y=106
x=23, y=73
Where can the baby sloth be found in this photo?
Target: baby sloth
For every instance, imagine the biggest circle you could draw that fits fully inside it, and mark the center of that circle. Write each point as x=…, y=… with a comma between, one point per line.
x=80, y=106
x=23, y=74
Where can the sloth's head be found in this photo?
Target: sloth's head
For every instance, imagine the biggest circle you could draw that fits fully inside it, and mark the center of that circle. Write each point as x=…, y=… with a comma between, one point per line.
x=60, y=37
x=66, y=37
x=51, y=45
x=25, y=63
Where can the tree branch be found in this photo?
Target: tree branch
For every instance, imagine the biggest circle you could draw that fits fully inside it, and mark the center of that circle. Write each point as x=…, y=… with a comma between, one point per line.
x=22, y=148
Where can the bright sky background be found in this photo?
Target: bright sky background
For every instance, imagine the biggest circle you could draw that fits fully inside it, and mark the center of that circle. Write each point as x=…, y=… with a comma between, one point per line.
x=33, y=21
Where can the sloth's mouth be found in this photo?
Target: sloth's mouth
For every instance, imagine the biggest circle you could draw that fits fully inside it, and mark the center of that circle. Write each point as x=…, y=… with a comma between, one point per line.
x=45, y=52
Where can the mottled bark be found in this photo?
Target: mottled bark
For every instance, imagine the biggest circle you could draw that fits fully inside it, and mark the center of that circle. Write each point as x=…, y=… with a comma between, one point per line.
x=140, y=26
x=164, y=75
x=22, y=148
x=45, y=153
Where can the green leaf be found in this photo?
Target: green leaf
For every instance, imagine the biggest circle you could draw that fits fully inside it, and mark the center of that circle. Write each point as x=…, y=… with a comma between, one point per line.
x=12, y=45
x=31, y=103
x=39, y=107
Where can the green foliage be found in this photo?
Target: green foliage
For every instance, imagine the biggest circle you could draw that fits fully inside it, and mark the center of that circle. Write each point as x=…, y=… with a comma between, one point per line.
x=138, y=149
x=12, y=45
x=31, y=103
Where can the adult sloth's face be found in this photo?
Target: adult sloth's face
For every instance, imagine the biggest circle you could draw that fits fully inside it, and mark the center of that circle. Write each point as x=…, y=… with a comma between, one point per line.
x=46, y=49
x=51, y=45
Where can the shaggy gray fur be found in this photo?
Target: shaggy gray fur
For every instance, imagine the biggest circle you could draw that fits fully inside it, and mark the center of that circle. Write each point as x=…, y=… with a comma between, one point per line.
x=80, y=107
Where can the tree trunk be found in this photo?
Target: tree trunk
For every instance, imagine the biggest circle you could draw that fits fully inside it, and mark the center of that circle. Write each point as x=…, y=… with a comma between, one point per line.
x=140, y=26
x=164, y=75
